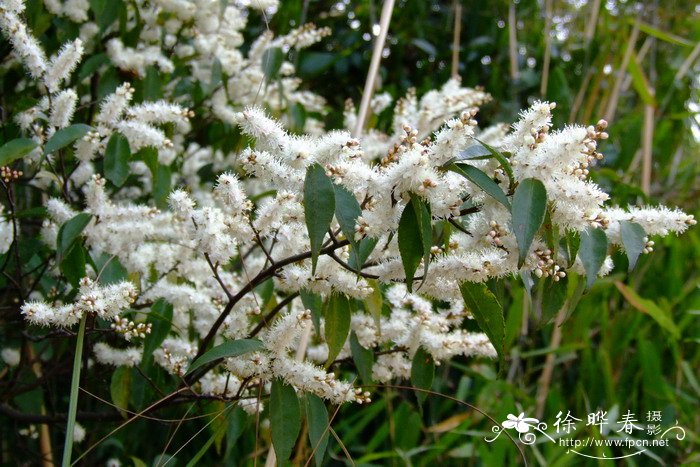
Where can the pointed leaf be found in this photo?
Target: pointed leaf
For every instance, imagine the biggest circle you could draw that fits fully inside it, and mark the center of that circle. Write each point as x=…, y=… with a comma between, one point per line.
x=15, y=149
x=70, y=231
x=337, y=325
x=272, y=60
x=487, y=312
x=661, y=316
x=481, y=180
x=116, y=162
x=120, y=388
x=317, y=415
x=66, y=136
x=529, y=206
x=593, y=250
x=422, y=372
x=633, y=237
x=285, y=419
x=363, y=358
x=415, y=237
x=233, y=348
x=347, y=209
x=319, y=207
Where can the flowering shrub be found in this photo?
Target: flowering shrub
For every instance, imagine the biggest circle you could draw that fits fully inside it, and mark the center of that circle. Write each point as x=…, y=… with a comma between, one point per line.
x=204, y=228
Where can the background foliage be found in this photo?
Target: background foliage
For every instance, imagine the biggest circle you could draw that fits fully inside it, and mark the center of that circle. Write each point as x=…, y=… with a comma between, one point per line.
x=615, y=352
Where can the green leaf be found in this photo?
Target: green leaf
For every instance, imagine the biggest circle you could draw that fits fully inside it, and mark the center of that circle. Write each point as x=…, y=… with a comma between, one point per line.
x=314, y=303
x=116, y=163
x=664, y=36
x=72, y=264
x=216, y=77
x=639, y=81
x=570, y=244
x=317, y=416
x=91, y=65
x=66, y=136
x=481, y=180
x=487, y=312
x=415, y=237
x=160, y=317
x=152, y=84
x=161, y=186
x=272, y=60
x=337, y=325
x=593, y=249
x=70, y=231
x=347, y=209
x=110, y=269
x=120, y=388
x=553, y=297
x=15, y=149
x=502, y=160
x=314, y=63
x=529, y=206
x=285, y=419
x=422, y=373
x=633, y=236
x=234, y=348
x=661, y=316
x=365, y=247
x=474, y=152
x=363, y=358
x=319, y=206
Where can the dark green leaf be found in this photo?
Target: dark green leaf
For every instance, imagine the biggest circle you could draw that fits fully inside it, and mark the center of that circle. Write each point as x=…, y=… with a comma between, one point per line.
x=347, y=209
x=503, y=161
x=553, y=297
x=120, y=388
x=314, y=63
x=110, y=269
x=319, y=206
x=234, y=348
x=91, y=65
x=152, y=85
x=116, y=162
x=365, y=247
x=70, y=231
x=272, y=60
x=65, y=136
x=314, y=303
x=415, y=237
x=633, y=237
x=72, y=264
x=363, y=358
x=487, y=312
x=216, y=77
x=481, y=180
x=570, y=244
x=15, y=149
x=160, y=317
x=593, y=249
x=529, y=206
x=474, y=152
x=317, y=416
x=285, y=419
x=422, y=373
x=337, y=325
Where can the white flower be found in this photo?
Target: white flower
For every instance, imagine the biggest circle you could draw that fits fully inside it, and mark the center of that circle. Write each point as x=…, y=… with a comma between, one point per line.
x=521, y=423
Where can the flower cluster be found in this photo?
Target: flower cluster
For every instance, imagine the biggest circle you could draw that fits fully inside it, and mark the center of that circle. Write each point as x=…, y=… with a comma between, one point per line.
x=231, y=252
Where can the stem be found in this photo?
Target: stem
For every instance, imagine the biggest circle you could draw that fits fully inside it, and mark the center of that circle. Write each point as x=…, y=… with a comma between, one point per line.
x=456, y=38
x=384, y=20
x=73, y=405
